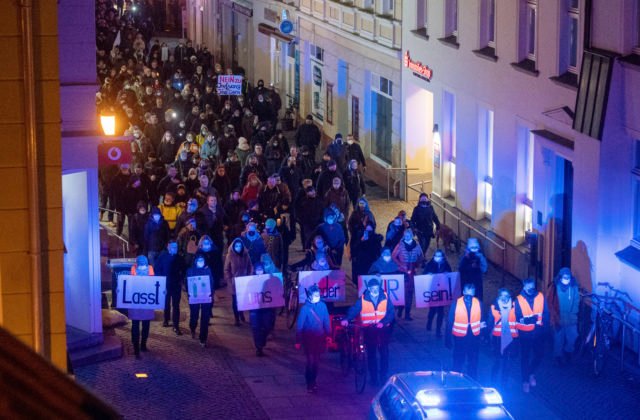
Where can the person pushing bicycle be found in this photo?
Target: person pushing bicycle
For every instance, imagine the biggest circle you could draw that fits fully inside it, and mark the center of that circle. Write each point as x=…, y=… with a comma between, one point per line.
x=376, y=314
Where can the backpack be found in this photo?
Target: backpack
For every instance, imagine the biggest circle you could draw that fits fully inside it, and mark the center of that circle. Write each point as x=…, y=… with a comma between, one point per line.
x=192, y=245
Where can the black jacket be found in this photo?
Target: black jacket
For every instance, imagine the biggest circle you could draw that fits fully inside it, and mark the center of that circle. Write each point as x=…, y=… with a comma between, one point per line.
x=423, y=219
x=172, y=267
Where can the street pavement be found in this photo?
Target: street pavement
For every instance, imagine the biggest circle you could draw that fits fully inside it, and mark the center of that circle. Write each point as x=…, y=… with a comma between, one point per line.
x=226, y=379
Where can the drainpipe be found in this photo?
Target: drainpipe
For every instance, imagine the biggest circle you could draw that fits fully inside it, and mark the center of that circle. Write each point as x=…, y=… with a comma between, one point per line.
x=35, y=247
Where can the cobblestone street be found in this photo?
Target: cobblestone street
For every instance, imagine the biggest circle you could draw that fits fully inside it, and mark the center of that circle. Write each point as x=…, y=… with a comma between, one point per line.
x=228, y=380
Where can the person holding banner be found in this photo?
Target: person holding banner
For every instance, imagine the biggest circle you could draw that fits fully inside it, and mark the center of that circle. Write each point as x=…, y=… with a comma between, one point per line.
x=376, y=314
x=200, y=310
x=465, y=323
x=504, y=332
x=262, y=320
x=237, y=264
x=140, y=317
x=313, y=329
x=438, y=264
x=408, y=255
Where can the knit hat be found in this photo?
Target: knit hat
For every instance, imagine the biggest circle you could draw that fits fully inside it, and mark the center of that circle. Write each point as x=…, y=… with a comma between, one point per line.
x=142, y=260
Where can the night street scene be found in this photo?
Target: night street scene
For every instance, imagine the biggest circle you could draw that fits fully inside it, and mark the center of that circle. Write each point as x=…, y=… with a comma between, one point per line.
x=320, y=209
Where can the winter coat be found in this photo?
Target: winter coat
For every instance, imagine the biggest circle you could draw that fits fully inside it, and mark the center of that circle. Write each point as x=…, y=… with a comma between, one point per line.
x=433, y=267
x=156, y=235
x=274, y=246
x=236, y=265
x=194, y=271
x=354, y=152
x=234, y=170
x=308, y=135
x=354, y=184
x=423, y=219
x=313, y=326
x=172, y=267
x=270, y=201
x=338, y=197
x=254, y=247
x=383, y=267
x=408, y=256
x=364, y=253
x=325, y=181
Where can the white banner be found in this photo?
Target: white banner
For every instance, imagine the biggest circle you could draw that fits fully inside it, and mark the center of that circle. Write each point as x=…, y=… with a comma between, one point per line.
x=330, y=282
x=317, y=90
x=199, y=289
x=262, y=291
x=141, y=292
x=229, y=85
x=437, y=289
x=392, y=284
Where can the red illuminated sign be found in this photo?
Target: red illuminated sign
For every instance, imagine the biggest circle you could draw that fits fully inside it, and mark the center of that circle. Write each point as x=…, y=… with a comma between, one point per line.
x=422, y=70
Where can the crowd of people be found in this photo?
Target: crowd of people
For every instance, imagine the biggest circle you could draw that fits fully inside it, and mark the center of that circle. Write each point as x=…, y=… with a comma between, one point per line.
x=216, y=189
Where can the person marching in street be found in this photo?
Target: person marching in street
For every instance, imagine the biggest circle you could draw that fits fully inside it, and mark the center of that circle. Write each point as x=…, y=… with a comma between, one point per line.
x=437, y=265
x=564, y=301
x=312, y=331
x=237, y=264
x=465, y=323
x=141, y=317
x=384, y=264
x=504, y=332
x=376, y=314
x=408, y=255
x=473, y=266
x=171, y=265
x=532, y=316
x=200, y=311
x=262, y=320
x=423, y=219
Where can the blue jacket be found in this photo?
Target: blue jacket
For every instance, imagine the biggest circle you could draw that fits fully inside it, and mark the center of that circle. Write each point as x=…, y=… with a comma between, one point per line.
x=313, y=324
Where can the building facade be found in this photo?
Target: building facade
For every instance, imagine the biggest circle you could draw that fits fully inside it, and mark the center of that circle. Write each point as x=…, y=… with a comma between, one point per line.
x=526, y=113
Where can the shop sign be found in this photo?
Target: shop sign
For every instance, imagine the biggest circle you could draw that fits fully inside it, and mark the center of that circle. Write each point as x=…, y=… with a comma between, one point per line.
x=421, y=70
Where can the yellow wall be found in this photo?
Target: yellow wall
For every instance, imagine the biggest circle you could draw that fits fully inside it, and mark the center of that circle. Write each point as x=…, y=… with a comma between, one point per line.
x=15, y=284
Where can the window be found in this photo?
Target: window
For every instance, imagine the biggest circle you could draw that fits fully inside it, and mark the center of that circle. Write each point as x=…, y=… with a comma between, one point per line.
x=636, y=194
x=316, y=52
x=637, y=28
x=530, y=30
x=381, y=101
x=569, y=40
x=488, y=24
x=451, y=16
x=421, y=16
x=528, y=199
x=449, y=140
x=485, y=154
x=387, y=7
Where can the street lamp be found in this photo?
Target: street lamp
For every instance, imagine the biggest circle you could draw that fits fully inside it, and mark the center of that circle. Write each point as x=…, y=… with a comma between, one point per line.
x=108, y=122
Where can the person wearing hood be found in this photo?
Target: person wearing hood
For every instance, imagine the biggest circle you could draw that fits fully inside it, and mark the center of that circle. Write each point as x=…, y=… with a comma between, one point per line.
x=532, y=316
x=365, y=247
x=409, y=256
x=234, y=169
x=171, y=265
x=384, y=264
x=563, y=297
x=201, y=311
x=237, y=264
x=473, y=266
x=437, y=265
x=338, y=151
x=243, y=150
x=313, y=255
x=222, y=184
x=326, y=176
x=276, y=149
x=253, y=242
x=156, y=235
x=308, y=211
x=312, y=331
x=338, y=196
x=395, y=231
x=228, y=142
x=251, y=189
x=209, y=149
x=333, y=235
x=354, y=182
x=138, y=223
x=247, y=124
x=423, y=219
x=376, y=314
x=504, y=333
x=213, y=256
x=140, y=317
x=465, y=323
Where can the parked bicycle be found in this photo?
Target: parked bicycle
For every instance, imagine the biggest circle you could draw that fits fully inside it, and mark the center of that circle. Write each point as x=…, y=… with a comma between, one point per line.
x=353, y=354
x=291, y=298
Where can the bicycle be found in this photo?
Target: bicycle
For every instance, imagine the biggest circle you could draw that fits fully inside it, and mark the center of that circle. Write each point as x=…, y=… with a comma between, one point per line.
x=608, y=309
x=291, y=298
x=353, y=355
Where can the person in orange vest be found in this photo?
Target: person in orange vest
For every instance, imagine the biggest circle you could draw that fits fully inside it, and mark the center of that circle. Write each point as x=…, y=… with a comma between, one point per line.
x=532, y=317
x=140, y=316
x=465, y=323
x=376, y=314
x=504, y=332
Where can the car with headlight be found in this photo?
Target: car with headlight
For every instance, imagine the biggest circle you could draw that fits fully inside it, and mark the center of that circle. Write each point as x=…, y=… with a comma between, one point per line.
x=436, y=395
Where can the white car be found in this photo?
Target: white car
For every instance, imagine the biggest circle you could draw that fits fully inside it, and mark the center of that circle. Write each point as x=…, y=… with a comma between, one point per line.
x=436, y=395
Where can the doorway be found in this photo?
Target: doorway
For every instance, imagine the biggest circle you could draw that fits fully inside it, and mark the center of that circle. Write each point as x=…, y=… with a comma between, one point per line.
x=562, y=204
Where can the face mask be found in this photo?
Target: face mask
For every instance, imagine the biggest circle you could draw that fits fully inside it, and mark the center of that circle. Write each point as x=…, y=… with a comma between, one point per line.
x=397, y=222
x=251, y=233
x=408, y=239
x=350, y=141
x=505, y=303
x=315, y=299
x=386, y=258
x=530, y=292
x=200, y=264
x=566, y=280
x=259, y=272
x=238, y=248
x=467, y=298
x=319, y=245
x=173, y=250
x=181, y=124
x=374, y=295
x=206, y=247
x=156, y=217
x=331, y=220
x=423, y=204
x=142, y=268
x=438, y=259
x=136, y=135
x=474, y=249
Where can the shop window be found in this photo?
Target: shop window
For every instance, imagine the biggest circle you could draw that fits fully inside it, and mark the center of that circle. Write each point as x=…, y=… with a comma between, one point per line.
x=381, y=100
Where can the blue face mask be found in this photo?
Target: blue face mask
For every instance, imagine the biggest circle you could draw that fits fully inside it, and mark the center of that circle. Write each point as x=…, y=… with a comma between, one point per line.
x=200, y=263
x=206, y=247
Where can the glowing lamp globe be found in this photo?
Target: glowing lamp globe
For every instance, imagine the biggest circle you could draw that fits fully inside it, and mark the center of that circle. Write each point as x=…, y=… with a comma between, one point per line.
x=108, y=123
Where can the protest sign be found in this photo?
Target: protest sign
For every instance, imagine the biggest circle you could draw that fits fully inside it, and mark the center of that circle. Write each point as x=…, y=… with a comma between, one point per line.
x=437, y=289
x=199, y=289
x=229, y=85
x=259, y=291
x=392, y=284
x=330, y=282
x=141, y=292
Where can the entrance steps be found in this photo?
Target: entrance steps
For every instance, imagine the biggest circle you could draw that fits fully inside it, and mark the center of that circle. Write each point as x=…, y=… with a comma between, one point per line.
x=86, y=349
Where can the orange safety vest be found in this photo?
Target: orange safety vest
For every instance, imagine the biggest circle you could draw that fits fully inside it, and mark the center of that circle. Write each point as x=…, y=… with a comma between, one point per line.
x=133, y=270
x=370, y=315
x=538, y=307
x=497, y=318
x=462, y=321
